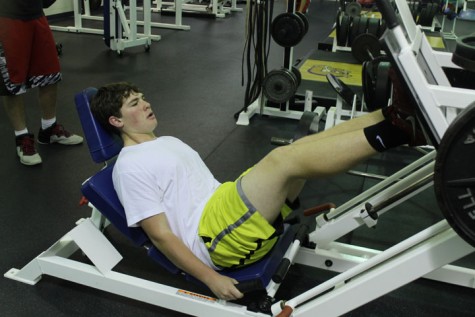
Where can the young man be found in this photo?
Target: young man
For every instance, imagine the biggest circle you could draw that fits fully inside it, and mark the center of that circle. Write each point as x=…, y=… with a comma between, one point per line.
x=202, y=225
x=29, y=59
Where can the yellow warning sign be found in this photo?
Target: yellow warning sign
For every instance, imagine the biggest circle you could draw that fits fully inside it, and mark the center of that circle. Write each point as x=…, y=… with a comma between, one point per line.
x=317, y=70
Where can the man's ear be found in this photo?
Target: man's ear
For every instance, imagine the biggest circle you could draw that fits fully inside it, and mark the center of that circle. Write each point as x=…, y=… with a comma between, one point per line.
x=116, y=122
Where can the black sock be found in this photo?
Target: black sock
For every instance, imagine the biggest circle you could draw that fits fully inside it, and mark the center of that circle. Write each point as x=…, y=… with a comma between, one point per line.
x=384, y=136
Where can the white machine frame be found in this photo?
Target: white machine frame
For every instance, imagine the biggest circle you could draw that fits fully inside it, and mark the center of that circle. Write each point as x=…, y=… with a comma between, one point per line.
x=216, y=8
x=79, y=17
x=129, y=23
x=365, y=274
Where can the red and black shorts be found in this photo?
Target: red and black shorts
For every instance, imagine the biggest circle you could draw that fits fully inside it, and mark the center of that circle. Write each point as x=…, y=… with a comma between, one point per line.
x=28, y=55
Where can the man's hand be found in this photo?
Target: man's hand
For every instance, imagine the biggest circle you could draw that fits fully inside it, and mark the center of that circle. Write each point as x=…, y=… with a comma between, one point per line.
x=159, y=232
x=224, y=287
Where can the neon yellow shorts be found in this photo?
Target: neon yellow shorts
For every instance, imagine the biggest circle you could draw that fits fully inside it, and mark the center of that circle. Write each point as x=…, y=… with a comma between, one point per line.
x=232, y=229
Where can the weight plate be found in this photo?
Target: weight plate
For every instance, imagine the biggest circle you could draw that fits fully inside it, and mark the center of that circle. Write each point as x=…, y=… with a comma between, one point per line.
x=353, y=33
x=454, y=174
x=382, y=84
x=297, y=74
x=287, y=29
x=344, y=30
x=464, y=54
x=362, y=25
x=365, y=47
x=353, y=9
x=304, y=20
x=337, y=26
x=279, y=85
x=94, y=4
x=423, y=16
x=373, y=26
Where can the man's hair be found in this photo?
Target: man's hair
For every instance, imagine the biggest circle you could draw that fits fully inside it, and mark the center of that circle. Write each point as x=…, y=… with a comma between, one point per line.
x=108, y=101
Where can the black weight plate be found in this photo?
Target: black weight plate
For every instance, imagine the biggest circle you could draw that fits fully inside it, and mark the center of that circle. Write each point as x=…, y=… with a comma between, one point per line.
x=454, y=174
x=433, y=12
x=373, y=26
x=287, y=29
x=344, y=30
x=362, y=25
x=464, y=54
x=279, y=85
x=414, y=7
x=297, y=74
x=353, y=29
x=382, y=85
x=94, y=4
x=338, y=26
x=353, y=9
x=304, y=20
x=365, y=47
x=423, y=16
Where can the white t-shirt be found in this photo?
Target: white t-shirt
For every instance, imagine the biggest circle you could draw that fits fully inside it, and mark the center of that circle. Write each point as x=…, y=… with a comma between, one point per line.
x=165, y=175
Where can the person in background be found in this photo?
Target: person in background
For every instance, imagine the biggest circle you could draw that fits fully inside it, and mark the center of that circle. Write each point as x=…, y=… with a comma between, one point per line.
x=29, y=59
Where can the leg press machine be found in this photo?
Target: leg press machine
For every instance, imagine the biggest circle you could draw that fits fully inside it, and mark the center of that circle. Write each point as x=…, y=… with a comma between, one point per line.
x=447, y=114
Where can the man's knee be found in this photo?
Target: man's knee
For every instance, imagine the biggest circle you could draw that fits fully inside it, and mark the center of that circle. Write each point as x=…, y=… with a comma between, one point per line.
x=279, y=157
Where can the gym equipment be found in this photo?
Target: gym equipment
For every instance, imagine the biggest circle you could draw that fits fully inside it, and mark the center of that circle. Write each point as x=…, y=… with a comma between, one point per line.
x=348, y=104
x=464, y=54
x=277, y=86
x=353, y=9
x=118, y=12
x=280, y=85
x=213, y=9
x=454, y=177
x=289, y=28
x=427, y=14
x=343, y=91
x=363, y=274
x=120, y=33
x=365, y=47
x=265, y=274
x=308, y=124
x=376, y=83
x=343, y=22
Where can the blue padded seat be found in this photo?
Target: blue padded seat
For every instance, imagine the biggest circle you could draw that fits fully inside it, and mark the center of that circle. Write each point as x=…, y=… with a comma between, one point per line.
x=99, y=191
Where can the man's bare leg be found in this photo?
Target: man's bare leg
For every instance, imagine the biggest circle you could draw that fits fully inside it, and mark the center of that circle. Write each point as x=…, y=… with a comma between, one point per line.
x=280, y=174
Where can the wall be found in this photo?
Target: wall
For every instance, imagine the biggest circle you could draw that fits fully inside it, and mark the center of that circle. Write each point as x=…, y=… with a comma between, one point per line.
x=60, y=6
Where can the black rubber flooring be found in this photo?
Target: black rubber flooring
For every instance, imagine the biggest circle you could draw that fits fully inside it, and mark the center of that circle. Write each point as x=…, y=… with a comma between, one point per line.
x=193, y=80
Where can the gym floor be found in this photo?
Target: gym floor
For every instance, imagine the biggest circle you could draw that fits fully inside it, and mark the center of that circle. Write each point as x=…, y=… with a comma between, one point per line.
x=193, y=80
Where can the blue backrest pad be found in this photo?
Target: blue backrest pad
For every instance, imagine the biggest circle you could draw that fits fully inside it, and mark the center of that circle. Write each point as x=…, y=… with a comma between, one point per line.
x=102, y=144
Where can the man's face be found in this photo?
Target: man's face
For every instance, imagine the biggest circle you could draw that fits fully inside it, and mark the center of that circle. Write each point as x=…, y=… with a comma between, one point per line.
x=137, y=115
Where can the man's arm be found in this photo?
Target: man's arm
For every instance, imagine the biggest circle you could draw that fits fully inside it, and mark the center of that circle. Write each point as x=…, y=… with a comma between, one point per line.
x=159, y=232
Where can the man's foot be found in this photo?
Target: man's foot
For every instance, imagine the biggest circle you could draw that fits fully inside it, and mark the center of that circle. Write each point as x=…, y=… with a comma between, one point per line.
x=26, y=151
x=402, y=112
x=57, y=134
